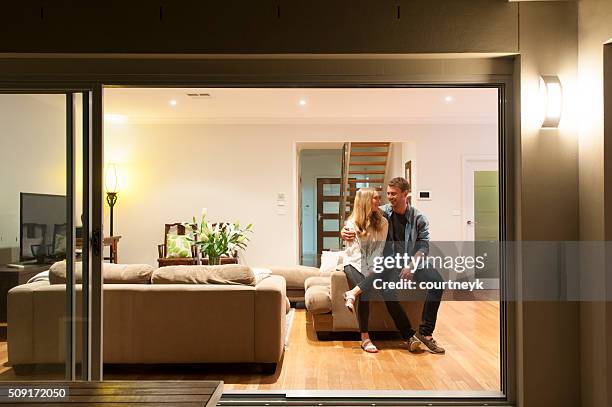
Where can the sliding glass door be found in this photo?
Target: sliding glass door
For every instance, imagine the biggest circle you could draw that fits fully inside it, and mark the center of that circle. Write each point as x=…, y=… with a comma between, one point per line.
x=48, y=230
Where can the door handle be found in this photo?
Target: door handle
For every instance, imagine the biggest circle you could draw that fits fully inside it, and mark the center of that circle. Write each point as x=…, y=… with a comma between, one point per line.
x=96, y=240
x=471, y=222
x=319, y=217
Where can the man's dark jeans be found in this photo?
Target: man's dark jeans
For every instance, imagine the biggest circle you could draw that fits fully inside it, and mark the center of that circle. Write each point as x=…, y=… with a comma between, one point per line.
x=432, y=300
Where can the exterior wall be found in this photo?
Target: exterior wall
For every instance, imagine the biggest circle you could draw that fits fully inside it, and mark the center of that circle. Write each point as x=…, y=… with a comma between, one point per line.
x=595, y=200
x=243, y=26
x=549, y=210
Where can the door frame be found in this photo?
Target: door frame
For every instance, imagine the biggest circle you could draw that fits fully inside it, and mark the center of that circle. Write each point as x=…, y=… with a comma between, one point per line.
x=91, y=309
x=446, y=70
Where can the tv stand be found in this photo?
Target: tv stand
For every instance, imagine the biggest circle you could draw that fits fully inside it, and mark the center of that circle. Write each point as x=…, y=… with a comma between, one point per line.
x=12, y=277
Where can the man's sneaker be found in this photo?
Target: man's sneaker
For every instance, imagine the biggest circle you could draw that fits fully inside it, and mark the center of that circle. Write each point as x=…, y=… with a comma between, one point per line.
x=431, y=344
x=413, y=344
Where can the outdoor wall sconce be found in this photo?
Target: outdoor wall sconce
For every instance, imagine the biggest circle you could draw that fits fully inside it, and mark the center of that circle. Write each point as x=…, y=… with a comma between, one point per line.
x=551, y=94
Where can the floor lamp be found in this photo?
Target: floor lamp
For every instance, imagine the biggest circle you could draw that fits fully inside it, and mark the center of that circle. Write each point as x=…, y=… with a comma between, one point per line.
x=112, y=188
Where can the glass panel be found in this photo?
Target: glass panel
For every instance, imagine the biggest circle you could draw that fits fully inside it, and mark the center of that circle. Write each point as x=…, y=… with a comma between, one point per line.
x=331, y=243
x=331, y=225
x=160, y=188
x=32, y=235
x=331, y=207
x=331, y=189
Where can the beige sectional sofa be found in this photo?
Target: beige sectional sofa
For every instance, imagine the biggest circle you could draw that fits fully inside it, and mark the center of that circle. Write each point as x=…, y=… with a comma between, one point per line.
x=156, y=323
x=327, y=310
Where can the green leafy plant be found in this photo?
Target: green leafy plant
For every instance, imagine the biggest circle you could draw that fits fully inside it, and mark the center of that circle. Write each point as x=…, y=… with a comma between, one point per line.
x=220, y=239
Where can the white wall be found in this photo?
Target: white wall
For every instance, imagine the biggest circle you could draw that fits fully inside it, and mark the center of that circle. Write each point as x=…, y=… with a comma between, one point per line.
x=437, y=158
x=236, y=171
x=32, y=142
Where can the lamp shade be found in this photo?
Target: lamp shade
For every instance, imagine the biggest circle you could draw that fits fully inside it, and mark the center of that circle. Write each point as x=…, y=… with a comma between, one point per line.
x=552, y=100
x=111, y=179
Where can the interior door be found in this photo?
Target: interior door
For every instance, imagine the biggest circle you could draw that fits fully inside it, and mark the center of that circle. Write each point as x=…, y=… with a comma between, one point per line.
x=481, y=212
x=328, y=215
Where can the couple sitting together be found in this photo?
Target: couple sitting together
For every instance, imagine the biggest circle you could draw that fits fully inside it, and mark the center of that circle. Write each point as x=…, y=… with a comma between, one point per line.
x=395, y=228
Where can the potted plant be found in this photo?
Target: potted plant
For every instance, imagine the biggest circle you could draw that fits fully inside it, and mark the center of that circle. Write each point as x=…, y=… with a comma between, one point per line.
x=221, y=239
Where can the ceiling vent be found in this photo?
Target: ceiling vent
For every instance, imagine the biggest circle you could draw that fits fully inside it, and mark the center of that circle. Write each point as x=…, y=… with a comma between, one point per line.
x=199, y=95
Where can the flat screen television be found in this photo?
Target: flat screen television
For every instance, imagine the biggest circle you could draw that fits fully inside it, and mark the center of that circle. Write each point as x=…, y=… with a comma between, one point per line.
x=42, y=226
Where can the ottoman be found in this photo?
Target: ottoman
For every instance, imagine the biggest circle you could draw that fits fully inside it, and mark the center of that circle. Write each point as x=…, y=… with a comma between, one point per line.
x=295, y=277
x=318, y=301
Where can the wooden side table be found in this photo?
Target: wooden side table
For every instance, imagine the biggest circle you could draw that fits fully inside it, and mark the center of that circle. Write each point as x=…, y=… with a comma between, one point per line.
x=113, y=243
x=109, y=241
x=12, y=277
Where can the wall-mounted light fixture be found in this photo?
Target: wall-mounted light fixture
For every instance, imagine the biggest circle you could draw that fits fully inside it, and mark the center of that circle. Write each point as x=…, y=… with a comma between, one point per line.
x=551, y=95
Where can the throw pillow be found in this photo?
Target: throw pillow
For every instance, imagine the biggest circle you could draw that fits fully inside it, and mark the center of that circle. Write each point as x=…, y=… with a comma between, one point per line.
x=178, y=246
x=232, y=274
x=261, y=274
x=329, y=260
x=111, y=273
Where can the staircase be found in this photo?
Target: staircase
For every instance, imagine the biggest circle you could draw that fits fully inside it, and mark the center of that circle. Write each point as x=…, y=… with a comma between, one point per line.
x=364, y=165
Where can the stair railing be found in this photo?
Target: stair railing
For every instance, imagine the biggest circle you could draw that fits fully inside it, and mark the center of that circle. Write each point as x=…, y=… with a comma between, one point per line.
x=344, y=184
x=387, y=171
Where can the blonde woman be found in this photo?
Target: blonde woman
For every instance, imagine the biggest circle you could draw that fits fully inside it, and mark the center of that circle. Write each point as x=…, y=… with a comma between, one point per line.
x=370, y=227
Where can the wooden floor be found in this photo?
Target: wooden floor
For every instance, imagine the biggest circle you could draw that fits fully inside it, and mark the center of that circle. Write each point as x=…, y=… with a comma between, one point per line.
x=468, y=330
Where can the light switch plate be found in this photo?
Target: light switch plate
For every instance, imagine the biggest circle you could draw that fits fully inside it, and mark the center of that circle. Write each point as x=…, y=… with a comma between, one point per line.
x=424, y=196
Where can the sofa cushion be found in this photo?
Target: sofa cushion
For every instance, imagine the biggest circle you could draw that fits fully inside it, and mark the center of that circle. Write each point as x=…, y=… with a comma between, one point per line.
x=111, y=273
x=318, y=299
x=317, y=280
x=220, y=274
x=295, y=275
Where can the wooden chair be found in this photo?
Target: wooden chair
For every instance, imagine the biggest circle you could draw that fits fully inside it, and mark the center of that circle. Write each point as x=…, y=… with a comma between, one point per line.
x=163, y=260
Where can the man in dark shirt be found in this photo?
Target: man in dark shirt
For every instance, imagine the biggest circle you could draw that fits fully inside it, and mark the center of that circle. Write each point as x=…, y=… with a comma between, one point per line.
x=399, y=227
x=408, y=233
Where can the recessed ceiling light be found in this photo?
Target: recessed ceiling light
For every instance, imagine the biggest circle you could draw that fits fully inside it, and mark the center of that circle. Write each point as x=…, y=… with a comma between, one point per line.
x=173, y=102
x=302, y=102
x=448, y=99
